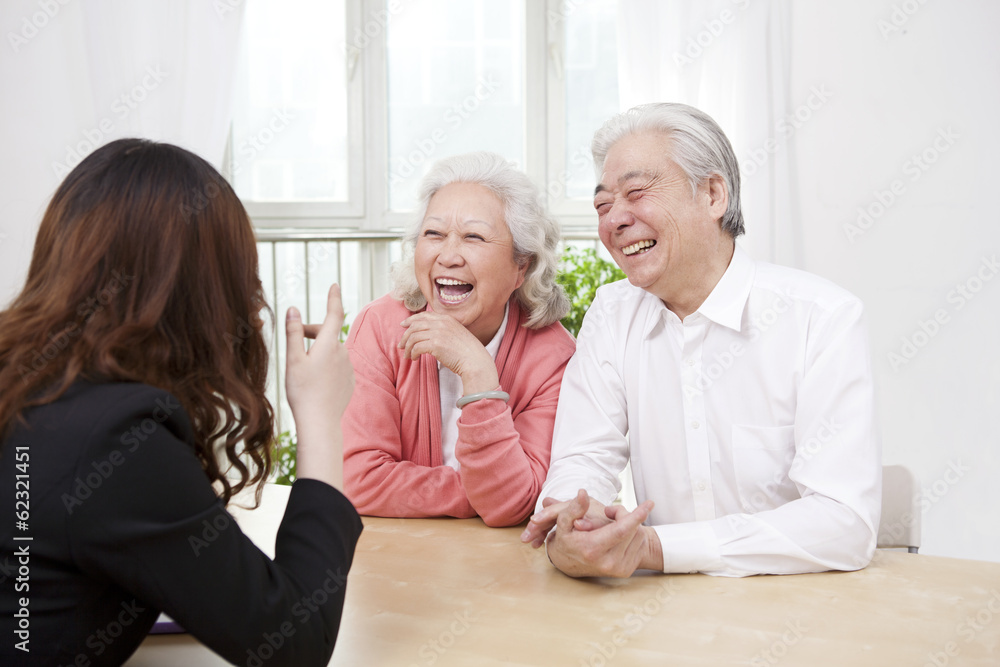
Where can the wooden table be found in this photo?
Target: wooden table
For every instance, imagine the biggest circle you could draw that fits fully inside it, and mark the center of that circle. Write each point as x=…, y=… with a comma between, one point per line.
x=455, y=592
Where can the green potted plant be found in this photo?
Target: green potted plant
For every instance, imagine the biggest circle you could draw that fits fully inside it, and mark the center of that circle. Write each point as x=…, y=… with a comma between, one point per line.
x=582, y=272
x=284, y=458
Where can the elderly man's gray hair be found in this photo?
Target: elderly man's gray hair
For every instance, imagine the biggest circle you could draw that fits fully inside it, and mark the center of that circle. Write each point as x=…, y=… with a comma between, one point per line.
x=698, y=146
x=536, y=235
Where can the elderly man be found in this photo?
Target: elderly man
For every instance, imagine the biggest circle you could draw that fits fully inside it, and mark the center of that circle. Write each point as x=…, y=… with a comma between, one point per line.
x=740, y=391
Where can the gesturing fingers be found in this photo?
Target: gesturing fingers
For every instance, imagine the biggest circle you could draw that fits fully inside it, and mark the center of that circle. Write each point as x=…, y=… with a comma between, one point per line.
x=321, y=379
x=334, y=317
x=294, y=345
x=334, y=320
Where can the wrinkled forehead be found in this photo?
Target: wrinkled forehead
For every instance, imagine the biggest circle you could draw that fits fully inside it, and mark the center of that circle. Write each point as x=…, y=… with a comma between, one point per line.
x=642, y=174
x=641, y=155
x=464, y=204
x=642, y=144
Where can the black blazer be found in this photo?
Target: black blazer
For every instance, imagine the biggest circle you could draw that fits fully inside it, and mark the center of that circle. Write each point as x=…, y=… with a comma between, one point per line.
x=124, y=524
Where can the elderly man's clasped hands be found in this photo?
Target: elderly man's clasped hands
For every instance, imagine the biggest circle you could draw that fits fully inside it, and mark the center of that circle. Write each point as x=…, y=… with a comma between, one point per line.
x=595, y=540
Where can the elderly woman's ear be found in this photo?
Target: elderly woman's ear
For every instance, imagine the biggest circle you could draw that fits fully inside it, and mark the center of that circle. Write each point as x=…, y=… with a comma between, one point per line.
x=522, y=271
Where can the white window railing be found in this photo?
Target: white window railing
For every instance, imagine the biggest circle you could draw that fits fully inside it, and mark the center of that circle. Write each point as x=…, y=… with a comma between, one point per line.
x=298, y=267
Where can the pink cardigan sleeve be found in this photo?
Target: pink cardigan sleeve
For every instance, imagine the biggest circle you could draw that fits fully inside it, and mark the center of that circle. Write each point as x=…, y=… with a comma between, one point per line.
x=376, y=478
x=504, y=458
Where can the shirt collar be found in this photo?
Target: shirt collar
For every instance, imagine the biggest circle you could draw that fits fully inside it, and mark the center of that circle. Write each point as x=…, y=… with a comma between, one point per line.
x=494, y=345
x=728, y=300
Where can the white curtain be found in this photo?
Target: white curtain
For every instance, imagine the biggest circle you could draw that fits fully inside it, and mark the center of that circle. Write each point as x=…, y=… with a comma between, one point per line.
x=732, y=59
x=80, y=74
x=164, y=70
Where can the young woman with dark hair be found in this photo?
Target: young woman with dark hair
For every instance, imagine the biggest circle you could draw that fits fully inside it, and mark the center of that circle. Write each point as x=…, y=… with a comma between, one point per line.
x=132, y=408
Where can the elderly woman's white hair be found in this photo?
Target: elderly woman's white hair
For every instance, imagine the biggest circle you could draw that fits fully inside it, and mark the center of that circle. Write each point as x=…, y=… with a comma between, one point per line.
x=697, y=144
x=535, y=234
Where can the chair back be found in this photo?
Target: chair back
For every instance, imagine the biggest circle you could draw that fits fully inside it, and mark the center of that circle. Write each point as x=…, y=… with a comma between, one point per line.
x=900, y=524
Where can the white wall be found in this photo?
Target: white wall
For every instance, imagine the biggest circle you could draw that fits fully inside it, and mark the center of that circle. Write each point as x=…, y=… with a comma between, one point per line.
x=891, y=97
x=156, y=68
x=37, y=122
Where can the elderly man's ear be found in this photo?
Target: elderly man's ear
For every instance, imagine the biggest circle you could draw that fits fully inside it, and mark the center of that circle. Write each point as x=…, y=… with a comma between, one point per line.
x=718, y=197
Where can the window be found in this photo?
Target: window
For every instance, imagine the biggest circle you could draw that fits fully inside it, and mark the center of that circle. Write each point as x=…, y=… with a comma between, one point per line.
x=342, y=106
x=293, y=147
x=454, y=86
x=291, y=133
x=583, y=94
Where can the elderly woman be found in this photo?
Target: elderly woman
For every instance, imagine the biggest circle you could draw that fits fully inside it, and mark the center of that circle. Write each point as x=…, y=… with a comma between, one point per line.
x=458, y=376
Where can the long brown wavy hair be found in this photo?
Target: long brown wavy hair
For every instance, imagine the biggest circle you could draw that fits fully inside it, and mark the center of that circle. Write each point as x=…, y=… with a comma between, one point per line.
x=145, y=270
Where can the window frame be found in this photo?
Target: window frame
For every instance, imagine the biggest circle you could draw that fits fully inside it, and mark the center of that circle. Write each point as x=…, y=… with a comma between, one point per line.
x=366, y=209
x=307, y=215
x=575, y=216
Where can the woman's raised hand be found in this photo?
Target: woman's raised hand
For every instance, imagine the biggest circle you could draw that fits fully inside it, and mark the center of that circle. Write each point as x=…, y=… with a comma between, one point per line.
x=318, y=383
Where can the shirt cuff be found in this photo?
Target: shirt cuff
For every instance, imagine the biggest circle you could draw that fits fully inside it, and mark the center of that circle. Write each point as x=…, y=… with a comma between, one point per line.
x=689, y=547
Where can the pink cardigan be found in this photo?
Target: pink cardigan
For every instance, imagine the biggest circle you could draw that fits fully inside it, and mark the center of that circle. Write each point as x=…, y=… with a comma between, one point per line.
x=393, y=463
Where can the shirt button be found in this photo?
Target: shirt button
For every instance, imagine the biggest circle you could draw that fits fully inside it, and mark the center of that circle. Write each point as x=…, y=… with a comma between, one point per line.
x=701, y=486
x=690, y=361
x=695, y=424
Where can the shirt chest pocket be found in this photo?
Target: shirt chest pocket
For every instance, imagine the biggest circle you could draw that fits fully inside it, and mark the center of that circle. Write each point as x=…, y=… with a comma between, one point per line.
x=762, y=457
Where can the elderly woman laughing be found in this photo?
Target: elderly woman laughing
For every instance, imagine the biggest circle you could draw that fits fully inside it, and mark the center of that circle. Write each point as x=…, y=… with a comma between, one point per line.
x=457, y=377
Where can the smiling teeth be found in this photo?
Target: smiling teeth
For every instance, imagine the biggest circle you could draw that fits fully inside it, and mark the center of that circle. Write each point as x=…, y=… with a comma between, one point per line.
x=456, y=296
x=636, y=247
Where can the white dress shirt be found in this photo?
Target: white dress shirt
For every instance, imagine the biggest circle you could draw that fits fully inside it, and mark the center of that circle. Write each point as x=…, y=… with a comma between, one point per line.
x=750, y=424
x=450, y=390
